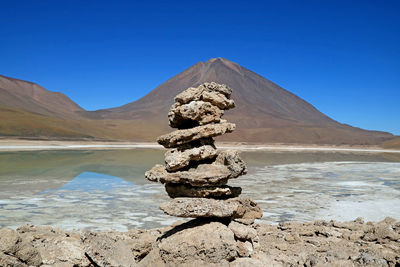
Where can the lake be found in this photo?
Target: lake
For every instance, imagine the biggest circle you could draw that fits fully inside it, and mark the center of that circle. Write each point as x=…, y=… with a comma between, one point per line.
x=106, y=189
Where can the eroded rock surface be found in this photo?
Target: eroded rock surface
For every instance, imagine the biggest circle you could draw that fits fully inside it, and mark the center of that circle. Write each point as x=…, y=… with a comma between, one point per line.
x=180, y=137
x=228, y=165
x=231, y=159
x=203, y=175
x=193, y=113
x=216, y=94
x=176, y=159
x=212, y=242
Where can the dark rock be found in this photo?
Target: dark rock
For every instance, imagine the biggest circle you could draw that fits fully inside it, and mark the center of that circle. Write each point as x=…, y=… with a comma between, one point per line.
x=182, y=190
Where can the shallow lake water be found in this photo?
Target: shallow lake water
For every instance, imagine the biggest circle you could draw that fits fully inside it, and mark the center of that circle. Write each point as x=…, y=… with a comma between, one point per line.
x=106, y=189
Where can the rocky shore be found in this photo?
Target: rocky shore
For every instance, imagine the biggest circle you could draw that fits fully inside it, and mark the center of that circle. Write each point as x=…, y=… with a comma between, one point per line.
x=319, y=243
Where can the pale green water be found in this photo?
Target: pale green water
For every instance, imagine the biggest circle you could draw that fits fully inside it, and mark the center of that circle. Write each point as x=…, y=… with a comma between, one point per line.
x=105, y=190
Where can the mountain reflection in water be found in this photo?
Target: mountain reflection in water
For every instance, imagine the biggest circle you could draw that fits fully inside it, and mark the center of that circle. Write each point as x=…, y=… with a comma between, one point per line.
x=91, y=181
x=106, y=189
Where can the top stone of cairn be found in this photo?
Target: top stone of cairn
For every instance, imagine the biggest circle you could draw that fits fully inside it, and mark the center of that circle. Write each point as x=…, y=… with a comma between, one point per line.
x=200, y=105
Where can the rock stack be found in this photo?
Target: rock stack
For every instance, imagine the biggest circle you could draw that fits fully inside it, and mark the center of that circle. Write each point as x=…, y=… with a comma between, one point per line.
x=196, y=174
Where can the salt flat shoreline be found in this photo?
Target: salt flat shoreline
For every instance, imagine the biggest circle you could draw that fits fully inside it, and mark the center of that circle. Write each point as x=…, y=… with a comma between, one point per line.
x=27, y=145
x=208, y=243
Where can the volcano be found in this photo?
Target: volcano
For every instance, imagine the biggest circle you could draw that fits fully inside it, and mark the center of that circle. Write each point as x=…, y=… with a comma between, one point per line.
x=264, y=113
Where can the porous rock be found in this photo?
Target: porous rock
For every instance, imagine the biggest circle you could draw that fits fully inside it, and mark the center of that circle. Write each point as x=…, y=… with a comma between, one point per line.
x=180, y=137
x=232, y=160
x=221, y=88
x=119, y=249
x=203, y=175
x=108, y=250
x=16, y=249
x=244, y=248
x=10, y=261
x=227, y=165
x=211, y=242
x=252, y=262
x=207, y=207
x=217, y=95
x=9, y=239
x=182, y=190
x=193, y=113
x=241, y=231
x=56, y=247
x=176, y=159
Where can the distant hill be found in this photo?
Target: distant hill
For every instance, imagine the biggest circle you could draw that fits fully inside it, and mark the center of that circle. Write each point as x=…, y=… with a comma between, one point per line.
x=264, y=113
x=394, y=143
x=34, y=98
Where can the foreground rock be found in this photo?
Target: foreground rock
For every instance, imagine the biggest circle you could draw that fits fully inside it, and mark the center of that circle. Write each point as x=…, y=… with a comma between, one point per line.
x=205, y=207
x=208, y=243
x=199, y=242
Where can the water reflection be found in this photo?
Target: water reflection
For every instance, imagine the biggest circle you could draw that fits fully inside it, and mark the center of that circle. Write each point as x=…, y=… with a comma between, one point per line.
x=91, y=181
x=104, y=190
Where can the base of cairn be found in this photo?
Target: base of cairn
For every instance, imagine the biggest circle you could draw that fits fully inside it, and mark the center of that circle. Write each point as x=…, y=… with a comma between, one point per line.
x=233, y=208
x=204, y=242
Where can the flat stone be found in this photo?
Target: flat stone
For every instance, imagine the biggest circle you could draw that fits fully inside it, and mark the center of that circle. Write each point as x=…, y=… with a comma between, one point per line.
x=197, y=143
x=228, y=165
x=176, y=159
x=208, y=207
x=182, y=190
x=180, y=137
x=217, y=95
x=203, y=175
x=193, y=113
x=245, y=221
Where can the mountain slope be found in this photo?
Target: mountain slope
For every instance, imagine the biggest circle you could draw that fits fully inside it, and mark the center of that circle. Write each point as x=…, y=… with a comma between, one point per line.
x=392, y=144
x=264, y=111
x=34, y=98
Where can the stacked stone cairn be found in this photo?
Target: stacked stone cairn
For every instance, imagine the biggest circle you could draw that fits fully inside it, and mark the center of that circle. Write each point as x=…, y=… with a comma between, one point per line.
x=196, y=174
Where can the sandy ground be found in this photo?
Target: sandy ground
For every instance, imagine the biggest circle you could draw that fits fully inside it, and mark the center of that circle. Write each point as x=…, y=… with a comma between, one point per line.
x=21, y=145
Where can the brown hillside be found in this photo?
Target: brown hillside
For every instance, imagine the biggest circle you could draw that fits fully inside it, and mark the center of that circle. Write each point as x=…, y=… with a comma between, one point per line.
x=264, y=111
x=394, y=144
x=34, y=98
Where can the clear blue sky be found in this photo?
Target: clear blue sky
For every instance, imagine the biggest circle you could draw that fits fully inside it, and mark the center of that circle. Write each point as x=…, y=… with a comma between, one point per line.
x=341, y=56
